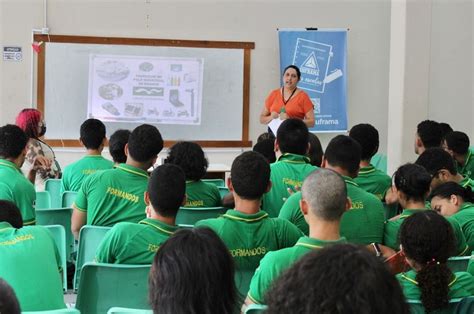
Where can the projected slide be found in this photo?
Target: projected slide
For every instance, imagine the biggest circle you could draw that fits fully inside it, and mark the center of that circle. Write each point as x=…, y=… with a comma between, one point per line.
x=145, y=89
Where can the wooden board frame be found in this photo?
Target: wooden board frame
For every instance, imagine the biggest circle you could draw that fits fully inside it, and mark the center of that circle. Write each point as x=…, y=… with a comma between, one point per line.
x=246, y=46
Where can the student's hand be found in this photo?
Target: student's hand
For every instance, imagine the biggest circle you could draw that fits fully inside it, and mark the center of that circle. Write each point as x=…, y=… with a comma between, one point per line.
x=391, y=196
x=291, y=192
x=41, y=162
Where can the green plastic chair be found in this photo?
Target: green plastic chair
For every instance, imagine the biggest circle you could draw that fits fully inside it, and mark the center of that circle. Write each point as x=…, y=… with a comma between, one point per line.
x=379, y=161
x=223, y=191
x=417, y=308
x=67, y=198
x=53, y=186
x=43, y=200
x=59, y=236
x=60, y=311
x=191, y=215
x=103, y=286
x=242, y=281
x=90, y=238
x=124, y=310
x=58, y=216
x=466, y=306
x=256, y=309
x=216, y=182
x=458, y=263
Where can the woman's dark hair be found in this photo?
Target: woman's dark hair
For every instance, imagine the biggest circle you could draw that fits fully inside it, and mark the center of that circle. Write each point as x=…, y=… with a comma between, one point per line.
x=193, y=272
x=338, y=279
x=427, y=239
x=190, y=157
x=294, y=67
x=413, y=180
x=445, y=191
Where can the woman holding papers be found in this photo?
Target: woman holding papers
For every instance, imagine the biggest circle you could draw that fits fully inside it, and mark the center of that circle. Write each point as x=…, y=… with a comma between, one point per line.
x=288, y=101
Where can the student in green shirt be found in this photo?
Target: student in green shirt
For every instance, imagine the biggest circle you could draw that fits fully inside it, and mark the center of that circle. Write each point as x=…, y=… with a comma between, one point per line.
x=190, y=157
x=427, y=241
x=412, y=185
x=92, y=137
x=428, y=134
x=292, y=165
x=117, y=143
x=248, y=232
x=131, y=243
x=452, y=200
x=324, y=200
x=29, y=262
x=457, y=145
x=115, y=195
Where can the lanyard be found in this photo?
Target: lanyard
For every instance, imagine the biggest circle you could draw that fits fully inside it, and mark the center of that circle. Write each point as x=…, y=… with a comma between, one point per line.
x=283, y=95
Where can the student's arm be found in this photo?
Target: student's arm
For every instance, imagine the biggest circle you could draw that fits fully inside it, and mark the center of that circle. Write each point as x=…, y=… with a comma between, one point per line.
x=78, y=220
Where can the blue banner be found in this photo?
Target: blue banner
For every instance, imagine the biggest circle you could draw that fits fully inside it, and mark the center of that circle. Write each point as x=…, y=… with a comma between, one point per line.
x=321, y=57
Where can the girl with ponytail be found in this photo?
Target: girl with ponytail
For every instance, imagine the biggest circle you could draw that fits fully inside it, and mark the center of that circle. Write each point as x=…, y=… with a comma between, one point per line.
x=427, y=241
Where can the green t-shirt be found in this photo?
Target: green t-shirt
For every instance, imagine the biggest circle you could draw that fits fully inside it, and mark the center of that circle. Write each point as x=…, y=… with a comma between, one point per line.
x=374, y=181
x=114, y=195
x=288, y=172
x=131, y=243
x=250, y=236
x=467, y=182
x=462, y=285
x=465, y=218
x=14, y=187
x=30, y=263
x=202, y=194
x=291, y=211
x=274, y=263
x=75, y=173
x=393, y=226
x=467, y=169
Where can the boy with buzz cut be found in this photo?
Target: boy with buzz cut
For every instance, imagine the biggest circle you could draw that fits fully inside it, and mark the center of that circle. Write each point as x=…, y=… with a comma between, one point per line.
x=249, y=232
x=92, y=137
x=291, y=167
x=131, y=243
x=115, y=195
x=428, y=134
x=457, y=145
x=323, y=203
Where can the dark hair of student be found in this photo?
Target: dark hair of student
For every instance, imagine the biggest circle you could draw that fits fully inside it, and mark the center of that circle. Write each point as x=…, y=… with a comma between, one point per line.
x=343, y=151
x=445, y=129
x=429, y=132
x=193, y=272
x=266, y=148
x=458, y=142
x=427, y=238
x=12, y=141
x=166, y=188
x=368, y=138
x=8, y=300
x=144, y=143
x=266, y=136
x=250, y=174
x=190, y=157
x=92, y=133
x=435, y=159
x=342, y=278
x=10, y=213
x=292, y=137
x=117, y=143
x=294, y=67
x=413, y=181
x=447, y=189
x=315, y=152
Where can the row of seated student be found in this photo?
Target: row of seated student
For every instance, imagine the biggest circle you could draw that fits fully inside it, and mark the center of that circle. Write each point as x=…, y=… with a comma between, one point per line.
x=111, y=196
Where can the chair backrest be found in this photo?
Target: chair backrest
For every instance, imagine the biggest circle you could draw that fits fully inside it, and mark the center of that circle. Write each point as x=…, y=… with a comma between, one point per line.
x=43, y=200
x=53, y=186
x=90, y=238
x=256, y=309
x=223, y=191
x=59, y=236
x=124, y=310
x=458, y=263
x=60, y=311
x=242, y=281
x=416, y=307
x=216, y=182
x=466, y=306
x=103, y=286
x=379, y=161
x=58, y=216
x=191, y=215
x=67, y=198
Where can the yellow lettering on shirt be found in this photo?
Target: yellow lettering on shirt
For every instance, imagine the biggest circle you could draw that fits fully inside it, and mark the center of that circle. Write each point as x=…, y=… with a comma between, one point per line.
x=153, y=247
x=357, y=205
x=294, y=183
x=18, y=239
x=195, y=203
x=122, y=194
x=89, y=171
x=248, y=252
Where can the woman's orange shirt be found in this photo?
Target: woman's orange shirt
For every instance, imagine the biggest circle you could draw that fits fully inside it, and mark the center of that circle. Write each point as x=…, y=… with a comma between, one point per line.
x=297, y=107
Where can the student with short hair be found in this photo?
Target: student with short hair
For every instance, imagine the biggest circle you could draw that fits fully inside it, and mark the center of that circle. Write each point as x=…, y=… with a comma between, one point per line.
x=190, y=157
x=117, y=143
x=30, y=263
x=9, y=213
x=441, y=166
x=427, y=241
x=457, y=145
x=412, y=185
x=249, y=232
x=315, y=152
x=428, y=134
x=8, y=301
x=445, y=129
x=324, y=201
x=292, y=165
x=342, y=278
x=115, y=195
x=14, y=186
x=131, y=243
x=266, y=148
x=92, y=137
